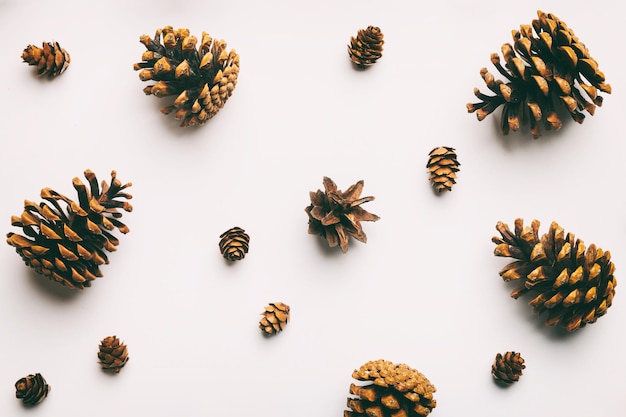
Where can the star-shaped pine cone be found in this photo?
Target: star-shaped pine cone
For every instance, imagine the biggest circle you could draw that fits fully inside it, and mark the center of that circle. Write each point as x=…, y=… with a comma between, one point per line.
x=68, y=245
x=393, y=391
x=51, y=60
x=32, y=389
x=113, y=354
x=507, y=368
x=541, y=69
x=202, y=79
x=573, y=284
x=337, y=215
x=367, y=47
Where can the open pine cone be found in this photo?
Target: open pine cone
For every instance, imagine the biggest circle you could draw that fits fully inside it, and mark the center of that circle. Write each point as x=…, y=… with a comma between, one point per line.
x=541, y=69
x=392, y=391
x=367, y=47
x=573, y=284
x=507, y=368
x=68, y=245
x=202, y=79
x=337, y=215
x=51, y=60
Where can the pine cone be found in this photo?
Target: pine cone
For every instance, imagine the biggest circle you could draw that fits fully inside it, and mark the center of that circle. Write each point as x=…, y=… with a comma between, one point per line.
x=540, y=70
x=275, y=318
x=113, y=354
x=393, y=391
x=51, y=60
x=32, y=389
x=68, y=246
x=442, y=165
x=201, y=79
x=574, y=284
x=337, y=215
x=367, y=47
x=507, y=368
x=234, y=244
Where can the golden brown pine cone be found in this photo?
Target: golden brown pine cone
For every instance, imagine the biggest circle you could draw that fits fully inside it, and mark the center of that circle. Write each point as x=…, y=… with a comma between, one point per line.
x=68, y=245
x=367, y=47
x=234, y=244
x=392, y=391
x=541, y=68
x=572, y=283
x=442, y=166
x=32, y=389
x=507, y=368
x=337, y=215
x=202, y=79
x=113, y=354
x=51, y=60
x=275, y=318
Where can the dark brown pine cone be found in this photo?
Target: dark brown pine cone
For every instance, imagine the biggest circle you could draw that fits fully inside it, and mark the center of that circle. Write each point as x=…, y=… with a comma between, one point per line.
x=51, y=60
x=275, y=318
x=542, y=68
x=234, y=244
x=32, y=389
x=367, y=47
x=113, y=354
x=507, y=368
x=68, y=245
x=391, y=391
x=337, y=215
x=201, y=79
x=572, y=283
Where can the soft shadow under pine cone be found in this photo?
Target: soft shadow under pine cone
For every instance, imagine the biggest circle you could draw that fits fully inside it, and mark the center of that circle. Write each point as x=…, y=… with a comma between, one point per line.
x=49, y=288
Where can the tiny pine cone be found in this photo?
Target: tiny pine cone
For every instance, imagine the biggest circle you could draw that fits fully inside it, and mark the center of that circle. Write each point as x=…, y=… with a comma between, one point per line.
x=507, y=368
x=32, y=389
x=367, y=47
x=234, y=244
x=442, y=166
x=113, y=354
x=275, y=318
x=51, y=60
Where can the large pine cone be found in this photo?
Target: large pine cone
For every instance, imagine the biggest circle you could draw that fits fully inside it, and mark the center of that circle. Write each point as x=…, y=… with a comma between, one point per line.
x=201, y=79
x=113, y=354
x=574, y=284
x=393, y=391
x=367, y=47
x=275, y=318
x=51, y=60
x=234, y=244
x=337, y=215
x=541, y=69
x=68, y=245
x=32, y=389
x=442, y=166
x=507, y=368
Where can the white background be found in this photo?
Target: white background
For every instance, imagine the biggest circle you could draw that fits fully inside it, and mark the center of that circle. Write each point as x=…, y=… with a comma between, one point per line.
x=424, y=290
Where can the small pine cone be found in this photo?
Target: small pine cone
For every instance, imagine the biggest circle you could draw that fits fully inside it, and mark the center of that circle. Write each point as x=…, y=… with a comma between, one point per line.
x=337, y=215
x=234, y=244
x=367, y=47
x=51, y=60
x=442, y=166
x=393, y=391
x=67, y=246
x=540, y=69
x=573, y=284
x=32, y=389
x=275, y=318
x=201, y=79
x=507, y=368
x=113, y=354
